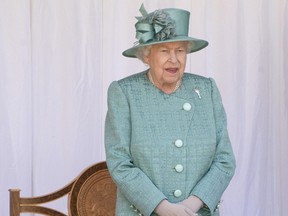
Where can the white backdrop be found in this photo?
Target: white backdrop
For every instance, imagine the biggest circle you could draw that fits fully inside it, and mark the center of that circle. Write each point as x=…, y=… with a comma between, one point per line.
x=57, y=58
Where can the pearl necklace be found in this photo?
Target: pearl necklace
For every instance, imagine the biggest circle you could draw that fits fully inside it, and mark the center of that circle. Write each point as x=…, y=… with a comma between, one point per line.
x=152, y=81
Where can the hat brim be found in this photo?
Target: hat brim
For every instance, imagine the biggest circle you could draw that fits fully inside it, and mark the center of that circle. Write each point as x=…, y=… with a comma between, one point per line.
x=197, y=44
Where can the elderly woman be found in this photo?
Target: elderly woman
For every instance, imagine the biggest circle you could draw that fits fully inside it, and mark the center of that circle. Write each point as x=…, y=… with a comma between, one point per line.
x=166, y=138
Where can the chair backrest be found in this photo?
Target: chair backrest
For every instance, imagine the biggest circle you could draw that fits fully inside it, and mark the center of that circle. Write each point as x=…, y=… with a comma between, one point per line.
x=92, y=193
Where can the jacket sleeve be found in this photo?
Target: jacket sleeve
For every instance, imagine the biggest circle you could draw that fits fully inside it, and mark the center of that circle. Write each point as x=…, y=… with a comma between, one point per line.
x=211, y=187
x=130, y=180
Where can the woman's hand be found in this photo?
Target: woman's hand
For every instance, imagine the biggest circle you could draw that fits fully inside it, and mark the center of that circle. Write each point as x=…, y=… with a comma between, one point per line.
x=166, y=208
x=193, y=202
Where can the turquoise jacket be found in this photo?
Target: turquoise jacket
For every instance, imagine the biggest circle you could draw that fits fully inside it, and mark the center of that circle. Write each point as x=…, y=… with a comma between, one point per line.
x=161, y=146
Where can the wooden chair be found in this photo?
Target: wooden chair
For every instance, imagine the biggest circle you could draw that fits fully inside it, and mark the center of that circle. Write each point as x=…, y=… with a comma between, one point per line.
x=92, y=193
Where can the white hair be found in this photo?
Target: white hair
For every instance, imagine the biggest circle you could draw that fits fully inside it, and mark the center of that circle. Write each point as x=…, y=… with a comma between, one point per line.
x=143, y=52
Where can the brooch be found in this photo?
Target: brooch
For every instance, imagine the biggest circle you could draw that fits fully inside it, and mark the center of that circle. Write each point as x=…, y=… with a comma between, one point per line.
x=197, y=91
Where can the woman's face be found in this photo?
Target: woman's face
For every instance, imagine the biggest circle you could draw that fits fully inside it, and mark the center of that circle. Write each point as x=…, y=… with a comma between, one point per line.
x=167, y=63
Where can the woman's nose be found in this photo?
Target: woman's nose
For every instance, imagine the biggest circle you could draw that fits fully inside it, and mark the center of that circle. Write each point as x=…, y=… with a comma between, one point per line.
x=173, y=57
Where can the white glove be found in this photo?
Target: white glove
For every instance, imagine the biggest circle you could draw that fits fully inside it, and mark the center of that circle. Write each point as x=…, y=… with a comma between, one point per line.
x=166, y=208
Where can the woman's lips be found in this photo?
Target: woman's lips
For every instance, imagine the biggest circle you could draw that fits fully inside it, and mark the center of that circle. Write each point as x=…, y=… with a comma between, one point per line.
x=171, y=70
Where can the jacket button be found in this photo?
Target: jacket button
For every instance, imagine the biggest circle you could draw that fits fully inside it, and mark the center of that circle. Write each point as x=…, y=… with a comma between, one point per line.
x=179, y=143
x=177, y=193
x=187, y=106
x=179, y=168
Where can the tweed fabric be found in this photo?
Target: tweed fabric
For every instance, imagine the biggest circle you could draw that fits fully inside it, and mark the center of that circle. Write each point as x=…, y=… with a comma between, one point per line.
x=142, y=125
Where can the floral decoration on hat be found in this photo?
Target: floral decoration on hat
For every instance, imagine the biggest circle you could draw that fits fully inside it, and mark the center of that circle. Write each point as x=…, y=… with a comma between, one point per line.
x=154, y=26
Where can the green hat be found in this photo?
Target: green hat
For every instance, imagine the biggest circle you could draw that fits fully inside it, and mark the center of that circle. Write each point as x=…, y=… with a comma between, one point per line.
x=162, y=26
